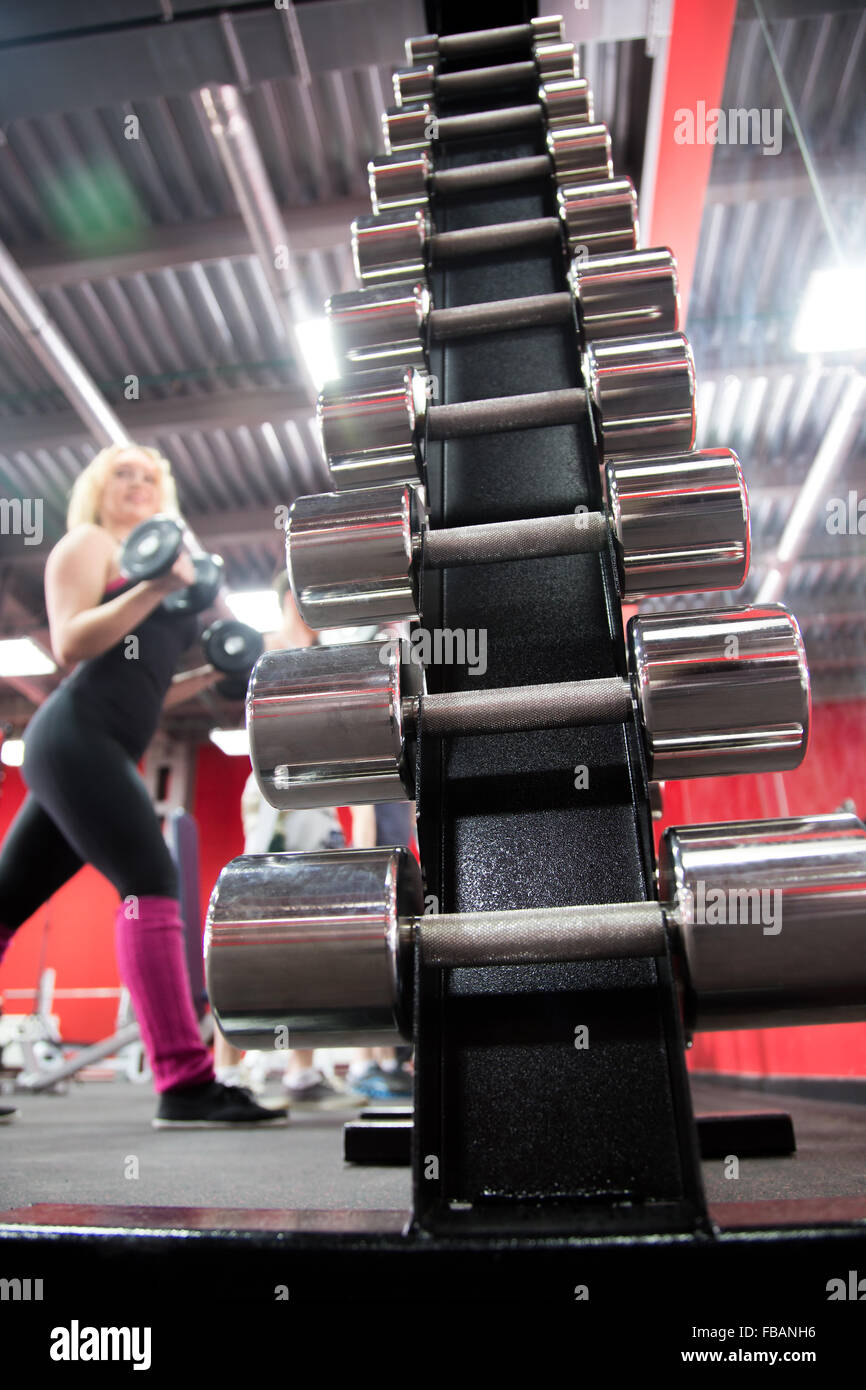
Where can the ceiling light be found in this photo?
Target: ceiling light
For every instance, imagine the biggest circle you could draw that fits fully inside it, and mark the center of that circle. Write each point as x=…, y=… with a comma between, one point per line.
x=21, y=657
x=12, y=752
x=832, y=315
x=234, y=742
x=314, y=340
x=258, y=608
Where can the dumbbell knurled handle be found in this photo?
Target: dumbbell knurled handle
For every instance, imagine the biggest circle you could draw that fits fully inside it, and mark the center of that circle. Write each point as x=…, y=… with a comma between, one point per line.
x=472, y=80
x=608, y=931
x=472, y=41
x=511, y=709
x=528, y=311
x=580, y=533
x=499, y=236
x=481, y=123
x=539, y=408
x=448, y=182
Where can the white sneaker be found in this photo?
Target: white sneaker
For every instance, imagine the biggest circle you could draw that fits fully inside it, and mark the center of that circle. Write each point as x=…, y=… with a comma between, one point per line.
x=325, y=1093
x=239, y=1075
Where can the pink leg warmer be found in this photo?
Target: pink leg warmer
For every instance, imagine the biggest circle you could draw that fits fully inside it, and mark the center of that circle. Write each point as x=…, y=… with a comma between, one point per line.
x=152, y=964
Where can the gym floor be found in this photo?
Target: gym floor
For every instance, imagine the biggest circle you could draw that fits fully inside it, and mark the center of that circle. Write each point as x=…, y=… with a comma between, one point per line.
x=95, y=1145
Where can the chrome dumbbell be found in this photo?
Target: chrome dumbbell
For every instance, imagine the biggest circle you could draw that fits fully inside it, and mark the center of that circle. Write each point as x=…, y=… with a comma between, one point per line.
x=473, y=43
x=625, y=295
x=374, y=425
x=578, y=151
x=593, y=219
x=677, y=525
x=573, y=145
x=425, y=81
x=717, y=692
x=323, y=944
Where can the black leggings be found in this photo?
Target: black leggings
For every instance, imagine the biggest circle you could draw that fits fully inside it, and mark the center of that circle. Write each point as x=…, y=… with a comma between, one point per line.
x=87, y=805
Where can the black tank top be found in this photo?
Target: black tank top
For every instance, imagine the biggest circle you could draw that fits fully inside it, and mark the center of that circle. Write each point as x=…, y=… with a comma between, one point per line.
x=123, y=688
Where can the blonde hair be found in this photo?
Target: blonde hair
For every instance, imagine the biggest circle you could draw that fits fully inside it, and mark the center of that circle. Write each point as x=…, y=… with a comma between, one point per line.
x=85, y=498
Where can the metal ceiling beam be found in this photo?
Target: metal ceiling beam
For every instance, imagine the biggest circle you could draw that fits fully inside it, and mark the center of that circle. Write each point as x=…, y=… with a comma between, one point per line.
x=25, y=311
x=319, y=227
x=146, y=420
x=831, y=456
x=147, y=60
x=784, y=179
x=238, y=148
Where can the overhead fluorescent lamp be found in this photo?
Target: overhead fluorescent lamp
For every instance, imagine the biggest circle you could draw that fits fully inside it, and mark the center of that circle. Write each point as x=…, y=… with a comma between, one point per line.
x=258, y=608
x=21, y=657
x=832, y=315
x=12, y=752
x=314, y=340
x=234, y=742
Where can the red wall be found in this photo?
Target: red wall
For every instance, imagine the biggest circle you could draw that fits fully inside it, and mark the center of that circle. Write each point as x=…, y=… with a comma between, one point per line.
x=80, y=942
x=80, y=936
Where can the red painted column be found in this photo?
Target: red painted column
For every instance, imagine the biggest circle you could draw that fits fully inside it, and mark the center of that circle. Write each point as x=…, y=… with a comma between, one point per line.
x=697, y=62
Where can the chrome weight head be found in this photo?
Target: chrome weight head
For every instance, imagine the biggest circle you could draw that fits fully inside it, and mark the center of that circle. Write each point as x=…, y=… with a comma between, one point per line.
x=580, y=153
x=351, y=556
x=642, y=392
x=566, y=102
x=390, y=246
x=626, y=294
x=680, y=522
x=326, y=726
x=382, y=324
x=372, y=426
x=556, y=61
x=599, y=218
x=721, y=691
x=313, y=943
x=772, y=919
x=399, y=181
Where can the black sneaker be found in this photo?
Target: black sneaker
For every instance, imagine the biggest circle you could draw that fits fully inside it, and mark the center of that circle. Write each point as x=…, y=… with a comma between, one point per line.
x=7, y=1115
x=214, y=1106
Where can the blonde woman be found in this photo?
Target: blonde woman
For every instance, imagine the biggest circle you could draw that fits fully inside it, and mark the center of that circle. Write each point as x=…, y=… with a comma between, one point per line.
x=86, y=802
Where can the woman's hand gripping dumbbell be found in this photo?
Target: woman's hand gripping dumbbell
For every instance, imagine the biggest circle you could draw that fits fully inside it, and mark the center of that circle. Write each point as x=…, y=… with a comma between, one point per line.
x=163, y=552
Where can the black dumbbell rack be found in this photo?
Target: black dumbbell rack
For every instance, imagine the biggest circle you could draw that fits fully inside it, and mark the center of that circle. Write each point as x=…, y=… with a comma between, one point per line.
x=520, y=1124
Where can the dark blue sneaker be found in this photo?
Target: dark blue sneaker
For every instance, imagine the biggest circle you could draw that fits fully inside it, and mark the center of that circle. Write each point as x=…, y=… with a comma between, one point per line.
x=377, y=1084
x=400, y=1081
